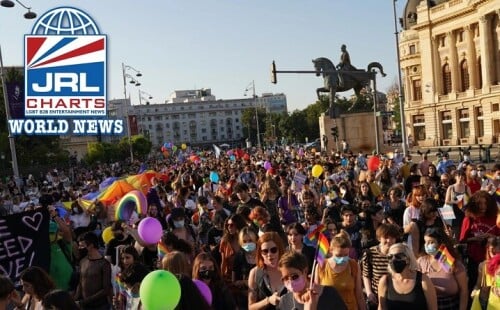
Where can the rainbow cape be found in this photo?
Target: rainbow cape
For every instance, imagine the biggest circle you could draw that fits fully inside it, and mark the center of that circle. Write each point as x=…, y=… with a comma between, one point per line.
x=322, y=249
x=443, y=256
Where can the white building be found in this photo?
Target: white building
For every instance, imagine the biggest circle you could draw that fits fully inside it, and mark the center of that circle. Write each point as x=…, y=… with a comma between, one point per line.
x=195, y=117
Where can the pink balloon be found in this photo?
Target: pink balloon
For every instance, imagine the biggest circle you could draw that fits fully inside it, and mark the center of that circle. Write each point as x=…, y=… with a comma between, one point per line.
x=204, y=290
x=150, y=230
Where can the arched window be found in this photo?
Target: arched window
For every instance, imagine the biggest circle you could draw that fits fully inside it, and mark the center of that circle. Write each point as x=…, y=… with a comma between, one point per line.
x=464, y=75
x=446, y=79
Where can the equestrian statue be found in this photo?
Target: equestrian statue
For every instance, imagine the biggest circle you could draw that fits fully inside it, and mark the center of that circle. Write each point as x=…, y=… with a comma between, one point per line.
x=343, y=77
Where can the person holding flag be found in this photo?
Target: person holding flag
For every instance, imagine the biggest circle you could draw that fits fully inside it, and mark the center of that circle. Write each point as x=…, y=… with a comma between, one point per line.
x=340, y=271
x=294, y=274
x=445, y=270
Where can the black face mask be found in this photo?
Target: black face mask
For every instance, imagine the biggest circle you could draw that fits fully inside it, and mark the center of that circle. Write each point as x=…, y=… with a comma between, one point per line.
x=206, y=274
x=119, y=236
x=398, y=265
x=82, y=252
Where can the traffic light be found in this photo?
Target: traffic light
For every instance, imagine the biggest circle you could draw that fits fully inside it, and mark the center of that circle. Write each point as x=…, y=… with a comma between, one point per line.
x=274, y=80
x=335, y=132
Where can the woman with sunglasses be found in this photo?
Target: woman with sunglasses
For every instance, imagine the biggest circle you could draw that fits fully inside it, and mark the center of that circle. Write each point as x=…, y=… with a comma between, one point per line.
x=294, y=274
x=229, y=244
x=264, y=281
x=450, y=282
x=342, y=273
x=404, y=287
x=205, y=269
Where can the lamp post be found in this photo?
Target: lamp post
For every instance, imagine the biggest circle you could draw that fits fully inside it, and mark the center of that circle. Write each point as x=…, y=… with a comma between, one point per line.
x=256, y=110
x=141, y=93
x=134, y=81
x=12, y=143
x=400, y=88
x=2, y=156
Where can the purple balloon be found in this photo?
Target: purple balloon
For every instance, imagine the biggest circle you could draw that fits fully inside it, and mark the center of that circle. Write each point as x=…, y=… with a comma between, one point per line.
x=204, y=290
x=267, y=165
x=150, y=230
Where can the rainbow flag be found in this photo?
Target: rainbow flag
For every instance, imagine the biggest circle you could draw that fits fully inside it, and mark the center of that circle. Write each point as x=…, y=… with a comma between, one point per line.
x=119, y=283
x=443, y=256
x=498, y=191
x=162, y=250
x=313, y=235
x=463, y=202
x=322, y=250
x=490, y=176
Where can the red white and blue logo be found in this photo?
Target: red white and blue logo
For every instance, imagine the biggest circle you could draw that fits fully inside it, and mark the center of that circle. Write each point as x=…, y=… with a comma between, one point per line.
x=65, y=66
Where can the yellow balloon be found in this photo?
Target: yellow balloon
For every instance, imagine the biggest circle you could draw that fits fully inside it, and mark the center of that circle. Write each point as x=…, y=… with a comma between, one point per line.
x=183, y=146
x=107, y=235
x=317, y=170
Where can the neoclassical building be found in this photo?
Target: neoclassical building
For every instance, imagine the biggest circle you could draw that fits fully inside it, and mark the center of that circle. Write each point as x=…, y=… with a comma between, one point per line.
x=450, y=60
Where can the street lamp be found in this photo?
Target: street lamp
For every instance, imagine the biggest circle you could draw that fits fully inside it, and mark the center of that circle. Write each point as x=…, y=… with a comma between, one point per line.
x=141, y=97
x=400, y=86
x=136, y=83
x=252, y=86
x=12, y=143
x=10, y=4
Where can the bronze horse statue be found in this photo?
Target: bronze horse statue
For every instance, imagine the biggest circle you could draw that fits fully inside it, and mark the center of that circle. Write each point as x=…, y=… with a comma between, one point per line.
x=334, y=83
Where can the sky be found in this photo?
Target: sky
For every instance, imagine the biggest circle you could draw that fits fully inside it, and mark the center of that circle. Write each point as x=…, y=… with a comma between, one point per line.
x=225, y=44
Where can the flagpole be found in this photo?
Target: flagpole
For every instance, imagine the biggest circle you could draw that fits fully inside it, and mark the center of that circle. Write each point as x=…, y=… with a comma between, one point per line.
x=12, y=143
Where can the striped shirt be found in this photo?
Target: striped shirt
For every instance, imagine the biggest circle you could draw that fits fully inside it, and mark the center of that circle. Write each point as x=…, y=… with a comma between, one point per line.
x=373, y=266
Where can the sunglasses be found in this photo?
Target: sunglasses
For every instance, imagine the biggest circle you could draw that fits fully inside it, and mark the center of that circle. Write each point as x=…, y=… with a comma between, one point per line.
x=396, y=256
x=291, y=277
x=273, y=250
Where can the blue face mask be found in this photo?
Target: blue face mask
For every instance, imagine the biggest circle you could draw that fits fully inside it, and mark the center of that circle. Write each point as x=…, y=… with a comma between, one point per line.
x=179, y=224
x=131, y=295
x=341, y=260
x=249, y=247
x=430, y=249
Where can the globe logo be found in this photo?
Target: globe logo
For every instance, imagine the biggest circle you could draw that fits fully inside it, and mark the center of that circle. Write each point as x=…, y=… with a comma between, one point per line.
x=65, y=21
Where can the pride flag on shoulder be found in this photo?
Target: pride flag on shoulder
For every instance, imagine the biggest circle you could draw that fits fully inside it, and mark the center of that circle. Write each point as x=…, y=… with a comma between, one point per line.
x=444, y=257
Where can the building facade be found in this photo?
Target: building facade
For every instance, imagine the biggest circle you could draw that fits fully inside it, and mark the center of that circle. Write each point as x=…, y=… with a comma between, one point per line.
x=450, y=60
x=196, y=117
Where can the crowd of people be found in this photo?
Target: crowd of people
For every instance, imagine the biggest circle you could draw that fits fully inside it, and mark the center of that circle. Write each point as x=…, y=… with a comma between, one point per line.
x=244, y=224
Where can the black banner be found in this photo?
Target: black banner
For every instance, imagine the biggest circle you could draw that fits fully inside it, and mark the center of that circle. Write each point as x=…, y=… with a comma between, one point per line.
x=15, y=93
x=24, y=242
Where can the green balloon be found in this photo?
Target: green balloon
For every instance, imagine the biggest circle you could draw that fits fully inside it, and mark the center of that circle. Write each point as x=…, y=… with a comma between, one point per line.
x=160, y=290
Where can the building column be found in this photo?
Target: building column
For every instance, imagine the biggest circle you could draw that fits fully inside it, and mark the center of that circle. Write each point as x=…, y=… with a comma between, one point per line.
x=409, y=91
x=485, y=45
x=437, y=75
x=451, y=38
x=471, y=57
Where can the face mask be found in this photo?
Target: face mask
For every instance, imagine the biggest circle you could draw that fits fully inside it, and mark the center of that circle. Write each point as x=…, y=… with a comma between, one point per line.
x=98, y=232
x=480, y=174
x=130, y=294
x=341, y=260
x=473, y=173
x=249, y=247
x=342, y=191
x=398, y=265
x=179, y=224
x=206, y=274
x=82, y=252
x=119, y=236
x=497, y=178
x=430, y=249
x=296, y=285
